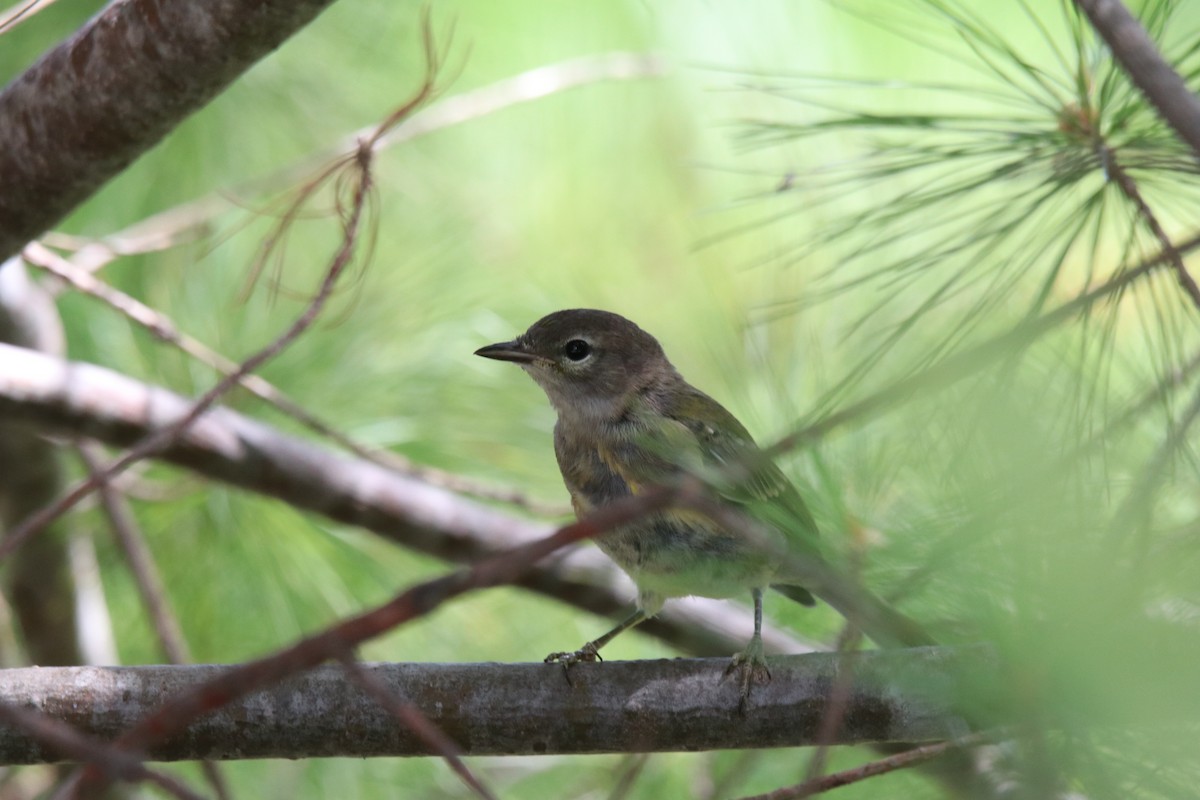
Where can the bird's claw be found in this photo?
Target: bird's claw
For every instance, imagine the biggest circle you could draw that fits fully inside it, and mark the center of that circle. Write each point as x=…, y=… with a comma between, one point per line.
x=588, y=653
x=752, y=666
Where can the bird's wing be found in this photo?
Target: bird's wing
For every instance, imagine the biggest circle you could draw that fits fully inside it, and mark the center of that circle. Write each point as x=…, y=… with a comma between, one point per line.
x=725, y=444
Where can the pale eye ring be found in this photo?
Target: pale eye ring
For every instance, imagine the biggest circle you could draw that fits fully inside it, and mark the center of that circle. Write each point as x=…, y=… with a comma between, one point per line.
x=577, y=349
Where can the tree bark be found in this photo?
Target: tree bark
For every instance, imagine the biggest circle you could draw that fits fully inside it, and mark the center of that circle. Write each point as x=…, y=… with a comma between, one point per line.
x=1133, y=48
x=89, y=107
x=516, y=709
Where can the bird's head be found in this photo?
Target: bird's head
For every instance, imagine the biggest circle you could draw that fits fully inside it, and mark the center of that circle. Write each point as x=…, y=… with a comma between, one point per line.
x=587, y=361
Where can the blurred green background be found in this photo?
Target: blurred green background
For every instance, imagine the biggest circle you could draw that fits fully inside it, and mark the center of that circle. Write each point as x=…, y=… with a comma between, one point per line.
x=680, y=202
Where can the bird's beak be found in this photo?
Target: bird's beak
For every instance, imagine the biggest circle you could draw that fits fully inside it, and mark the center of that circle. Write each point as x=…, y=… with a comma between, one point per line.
x=507, y=351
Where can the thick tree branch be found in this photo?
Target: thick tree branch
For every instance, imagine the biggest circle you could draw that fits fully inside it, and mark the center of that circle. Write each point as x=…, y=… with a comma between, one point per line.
x=99, y=100
x=512, y=709
x=1150, y=72
x=85, y=400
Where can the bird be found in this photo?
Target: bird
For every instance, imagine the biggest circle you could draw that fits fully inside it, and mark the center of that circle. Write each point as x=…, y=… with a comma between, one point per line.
x=627, y=422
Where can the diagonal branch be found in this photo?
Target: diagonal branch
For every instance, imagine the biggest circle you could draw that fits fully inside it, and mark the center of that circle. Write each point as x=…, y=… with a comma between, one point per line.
x=105, y=96
x=907, y=758
x=415, y=720
x=1150, y=72
x=1129, y=188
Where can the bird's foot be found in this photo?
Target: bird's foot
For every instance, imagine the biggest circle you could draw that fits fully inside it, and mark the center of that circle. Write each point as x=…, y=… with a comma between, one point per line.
x=751, y=666
x=588, y=653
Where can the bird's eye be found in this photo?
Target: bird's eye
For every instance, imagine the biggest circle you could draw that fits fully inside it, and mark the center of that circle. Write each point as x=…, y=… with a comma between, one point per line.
x=577, y=349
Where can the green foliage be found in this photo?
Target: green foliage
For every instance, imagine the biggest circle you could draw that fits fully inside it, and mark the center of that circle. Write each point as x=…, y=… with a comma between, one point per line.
x=797, y=242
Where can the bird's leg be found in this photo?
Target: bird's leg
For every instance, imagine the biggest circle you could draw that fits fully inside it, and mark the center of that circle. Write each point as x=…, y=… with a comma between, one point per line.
x=750, y=662
x=591, y=650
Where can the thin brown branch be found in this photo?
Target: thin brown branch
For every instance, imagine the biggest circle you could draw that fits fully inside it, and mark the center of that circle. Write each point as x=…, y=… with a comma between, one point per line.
x=408, y=714
x=65, y=741
x=140, y=562
x=350, y=174
x=1129, y=188
x=908, y=758
x=836, y=705
x=21, y=12
x=149, y=585
x=632, y=767
x=1133, y=48
x=147, y=447
x=848, y=642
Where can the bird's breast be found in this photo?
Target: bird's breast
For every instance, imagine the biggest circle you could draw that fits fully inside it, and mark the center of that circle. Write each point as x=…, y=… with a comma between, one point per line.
x=673, y=553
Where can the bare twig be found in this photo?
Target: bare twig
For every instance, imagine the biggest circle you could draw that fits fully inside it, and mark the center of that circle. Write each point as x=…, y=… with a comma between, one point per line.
x=416, y=721
x=39, y=583
x=176, y=713
x=1150, y=72
x=1129, y=188
x=149, y=585
x=847, y=645
x=521, y=88
x=835, y=705
x=23, y=11
x=632, y=767
x=884, y=765
x=141, y=562
x=527, y=87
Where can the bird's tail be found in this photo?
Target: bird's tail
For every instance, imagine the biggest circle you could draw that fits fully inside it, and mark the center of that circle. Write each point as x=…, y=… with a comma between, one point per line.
x=798, y=593
x=881, y=623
